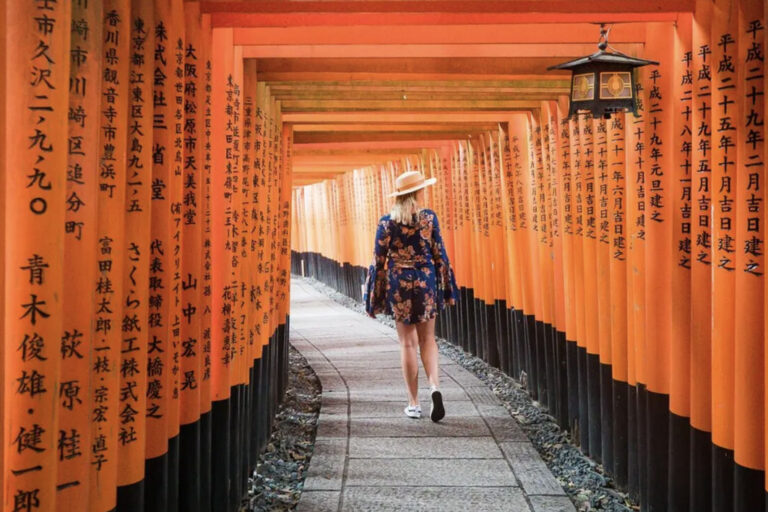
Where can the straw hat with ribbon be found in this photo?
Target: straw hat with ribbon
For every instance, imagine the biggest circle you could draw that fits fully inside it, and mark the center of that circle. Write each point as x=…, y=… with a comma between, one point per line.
x=411, y=181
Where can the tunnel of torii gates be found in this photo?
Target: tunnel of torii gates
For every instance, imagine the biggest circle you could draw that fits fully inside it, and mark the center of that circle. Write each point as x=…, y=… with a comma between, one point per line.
x=168, y=164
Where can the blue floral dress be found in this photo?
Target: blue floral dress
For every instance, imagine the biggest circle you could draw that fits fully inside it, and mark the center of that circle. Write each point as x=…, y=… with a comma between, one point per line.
x=411, y=277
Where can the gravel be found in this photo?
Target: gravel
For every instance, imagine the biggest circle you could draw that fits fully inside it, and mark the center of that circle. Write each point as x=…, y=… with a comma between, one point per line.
x=585, y=481
x=278, y=480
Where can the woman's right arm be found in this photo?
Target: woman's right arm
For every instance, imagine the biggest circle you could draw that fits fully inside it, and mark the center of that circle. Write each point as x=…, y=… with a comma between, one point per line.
x=376, y=281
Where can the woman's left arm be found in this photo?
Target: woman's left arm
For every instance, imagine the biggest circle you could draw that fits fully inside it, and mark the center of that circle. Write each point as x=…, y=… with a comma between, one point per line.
x=447, y=291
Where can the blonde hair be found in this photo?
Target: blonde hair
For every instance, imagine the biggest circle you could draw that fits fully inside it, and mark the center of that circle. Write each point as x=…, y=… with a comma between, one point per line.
x=405, y=209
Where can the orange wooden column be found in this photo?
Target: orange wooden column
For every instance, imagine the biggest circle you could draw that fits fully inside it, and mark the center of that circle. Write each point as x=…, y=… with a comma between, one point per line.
x=534, y=205
x=603, y=276
x=618, y=247
x=248, y=249
x=498, y=274
x=221, y=148
x=463, y=255
x=546, y=255
x=725, y=89
x=204, y=139
x=175, y=155
x=701, y=259
x=79, y=257
x=577, y=293
x=590, y=362
x=637, y=165
x=659, y=245
x=474, y=240
x=749, y=261
x=222, y=63
x=158, y=369
x=190, y=345
x=33, y=197
x=285, y=227
x=260, y=198
x=133, y=361
x=560, y=348
x=519, y=137
x=681, y=213
x=3, y=243
x=110, y=255
x=566, y=192
x=511, y=168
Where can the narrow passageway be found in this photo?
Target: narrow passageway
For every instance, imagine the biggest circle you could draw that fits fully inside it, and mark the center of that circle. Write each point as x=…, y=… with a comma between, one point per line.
x=370, y=456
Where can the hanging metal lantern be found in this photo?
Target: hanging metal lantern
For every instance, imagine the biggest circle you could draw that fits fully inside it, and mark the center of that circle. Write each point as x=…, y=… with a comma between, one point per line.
x=603, y=83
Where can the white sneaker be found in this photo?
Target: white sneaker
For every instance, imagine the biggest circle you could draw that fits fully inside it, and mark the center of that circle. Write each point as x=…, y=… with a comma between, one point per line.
x=437, y=410
x=413, y=411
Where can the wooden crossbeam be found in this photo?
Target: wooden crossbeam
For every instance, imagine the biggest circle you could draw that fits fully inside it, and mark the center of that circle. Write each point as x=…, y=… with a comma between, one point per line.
x=524, y=85
x=391, y=127
x=309, y=149
x=381, y=136
x=543, y=94
x=436, y=34
x=397, y=117
x=366, y=76
x=443, y=12
x=404, y=105
x=436, y=65
x=563, y=51
x=372, y=145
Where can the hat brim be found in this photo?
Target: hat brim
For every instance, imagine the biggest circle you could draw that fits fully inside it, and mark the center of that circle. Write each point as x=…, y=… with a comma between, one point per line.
x=425, y=183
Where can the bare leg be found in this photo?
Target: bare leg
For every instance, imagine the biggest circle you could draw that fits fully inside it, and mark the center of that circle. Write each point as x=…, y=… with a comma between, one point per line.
x=429, y=354
x=409, y=360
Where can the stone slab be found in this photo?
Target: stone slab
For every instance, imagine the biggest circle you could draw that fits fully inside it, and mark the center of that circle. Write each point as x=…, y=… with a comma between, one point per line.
x=396, y=391
x=403, y=426
x=332, y=426
x=363, y=409
x=502, y=425
x=319, y=501
x=464, y=377
x=552, y=504
x=326, y=467
x=429, y=472
x=482, y=395
x=435, y=499
x=533, y=473
x=424, y=447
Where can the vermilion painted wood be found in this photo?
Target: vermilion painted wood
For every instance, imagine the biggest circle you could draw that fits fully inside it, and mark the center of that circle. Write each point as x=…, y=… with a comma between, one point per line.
x=132, y=435
x=79, y=257
x=433, y=33
x=724, y=20
x=564, y=51
x=749, y=330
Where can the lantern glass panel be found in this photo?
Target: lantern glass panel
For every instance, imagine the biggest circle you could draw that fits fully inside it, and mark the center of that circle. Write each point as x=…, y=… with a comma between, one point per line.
x=583, y=87
x=616, y=85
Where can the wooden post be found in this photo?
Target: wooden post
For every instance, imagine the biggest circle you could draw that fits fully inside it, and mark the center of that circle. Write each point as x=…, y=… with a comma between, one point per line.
x=701, y=260
x=79, y=257
x=111, y=254
x=33, y=198
x=725, y=86
x=132, y=436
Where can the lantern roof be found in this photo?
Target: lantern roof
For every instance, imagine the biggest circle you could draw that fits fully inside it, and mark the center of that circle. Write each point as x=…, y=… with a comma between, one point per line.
x=604, y=57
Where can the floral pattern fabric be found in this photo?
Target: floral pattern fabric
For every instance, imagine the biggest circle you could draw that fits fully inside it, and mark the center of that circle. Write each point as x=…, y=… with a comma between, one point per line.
x=411, y=277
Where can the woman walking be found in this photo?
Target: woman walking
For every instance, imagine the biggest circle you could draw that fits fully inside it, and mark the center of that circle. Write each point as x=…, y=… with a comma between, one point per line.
x=411, y=279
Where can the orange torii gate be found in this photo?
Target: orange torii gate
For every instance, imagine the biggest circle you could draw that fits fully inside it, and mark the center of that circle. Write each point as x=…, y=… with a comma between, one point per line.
x=167, y=163
x=125, y=356
x=617, y=237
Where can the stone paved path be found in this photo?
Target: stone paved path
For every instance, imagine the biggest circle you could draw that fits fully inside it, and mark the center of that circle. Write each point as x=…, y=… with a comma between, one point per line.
x=370, y=456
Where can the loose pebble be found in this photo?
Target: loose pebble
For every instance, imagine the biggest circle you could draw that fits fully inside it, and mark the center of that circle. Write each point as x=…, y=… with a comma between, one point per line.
x=278, y=480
